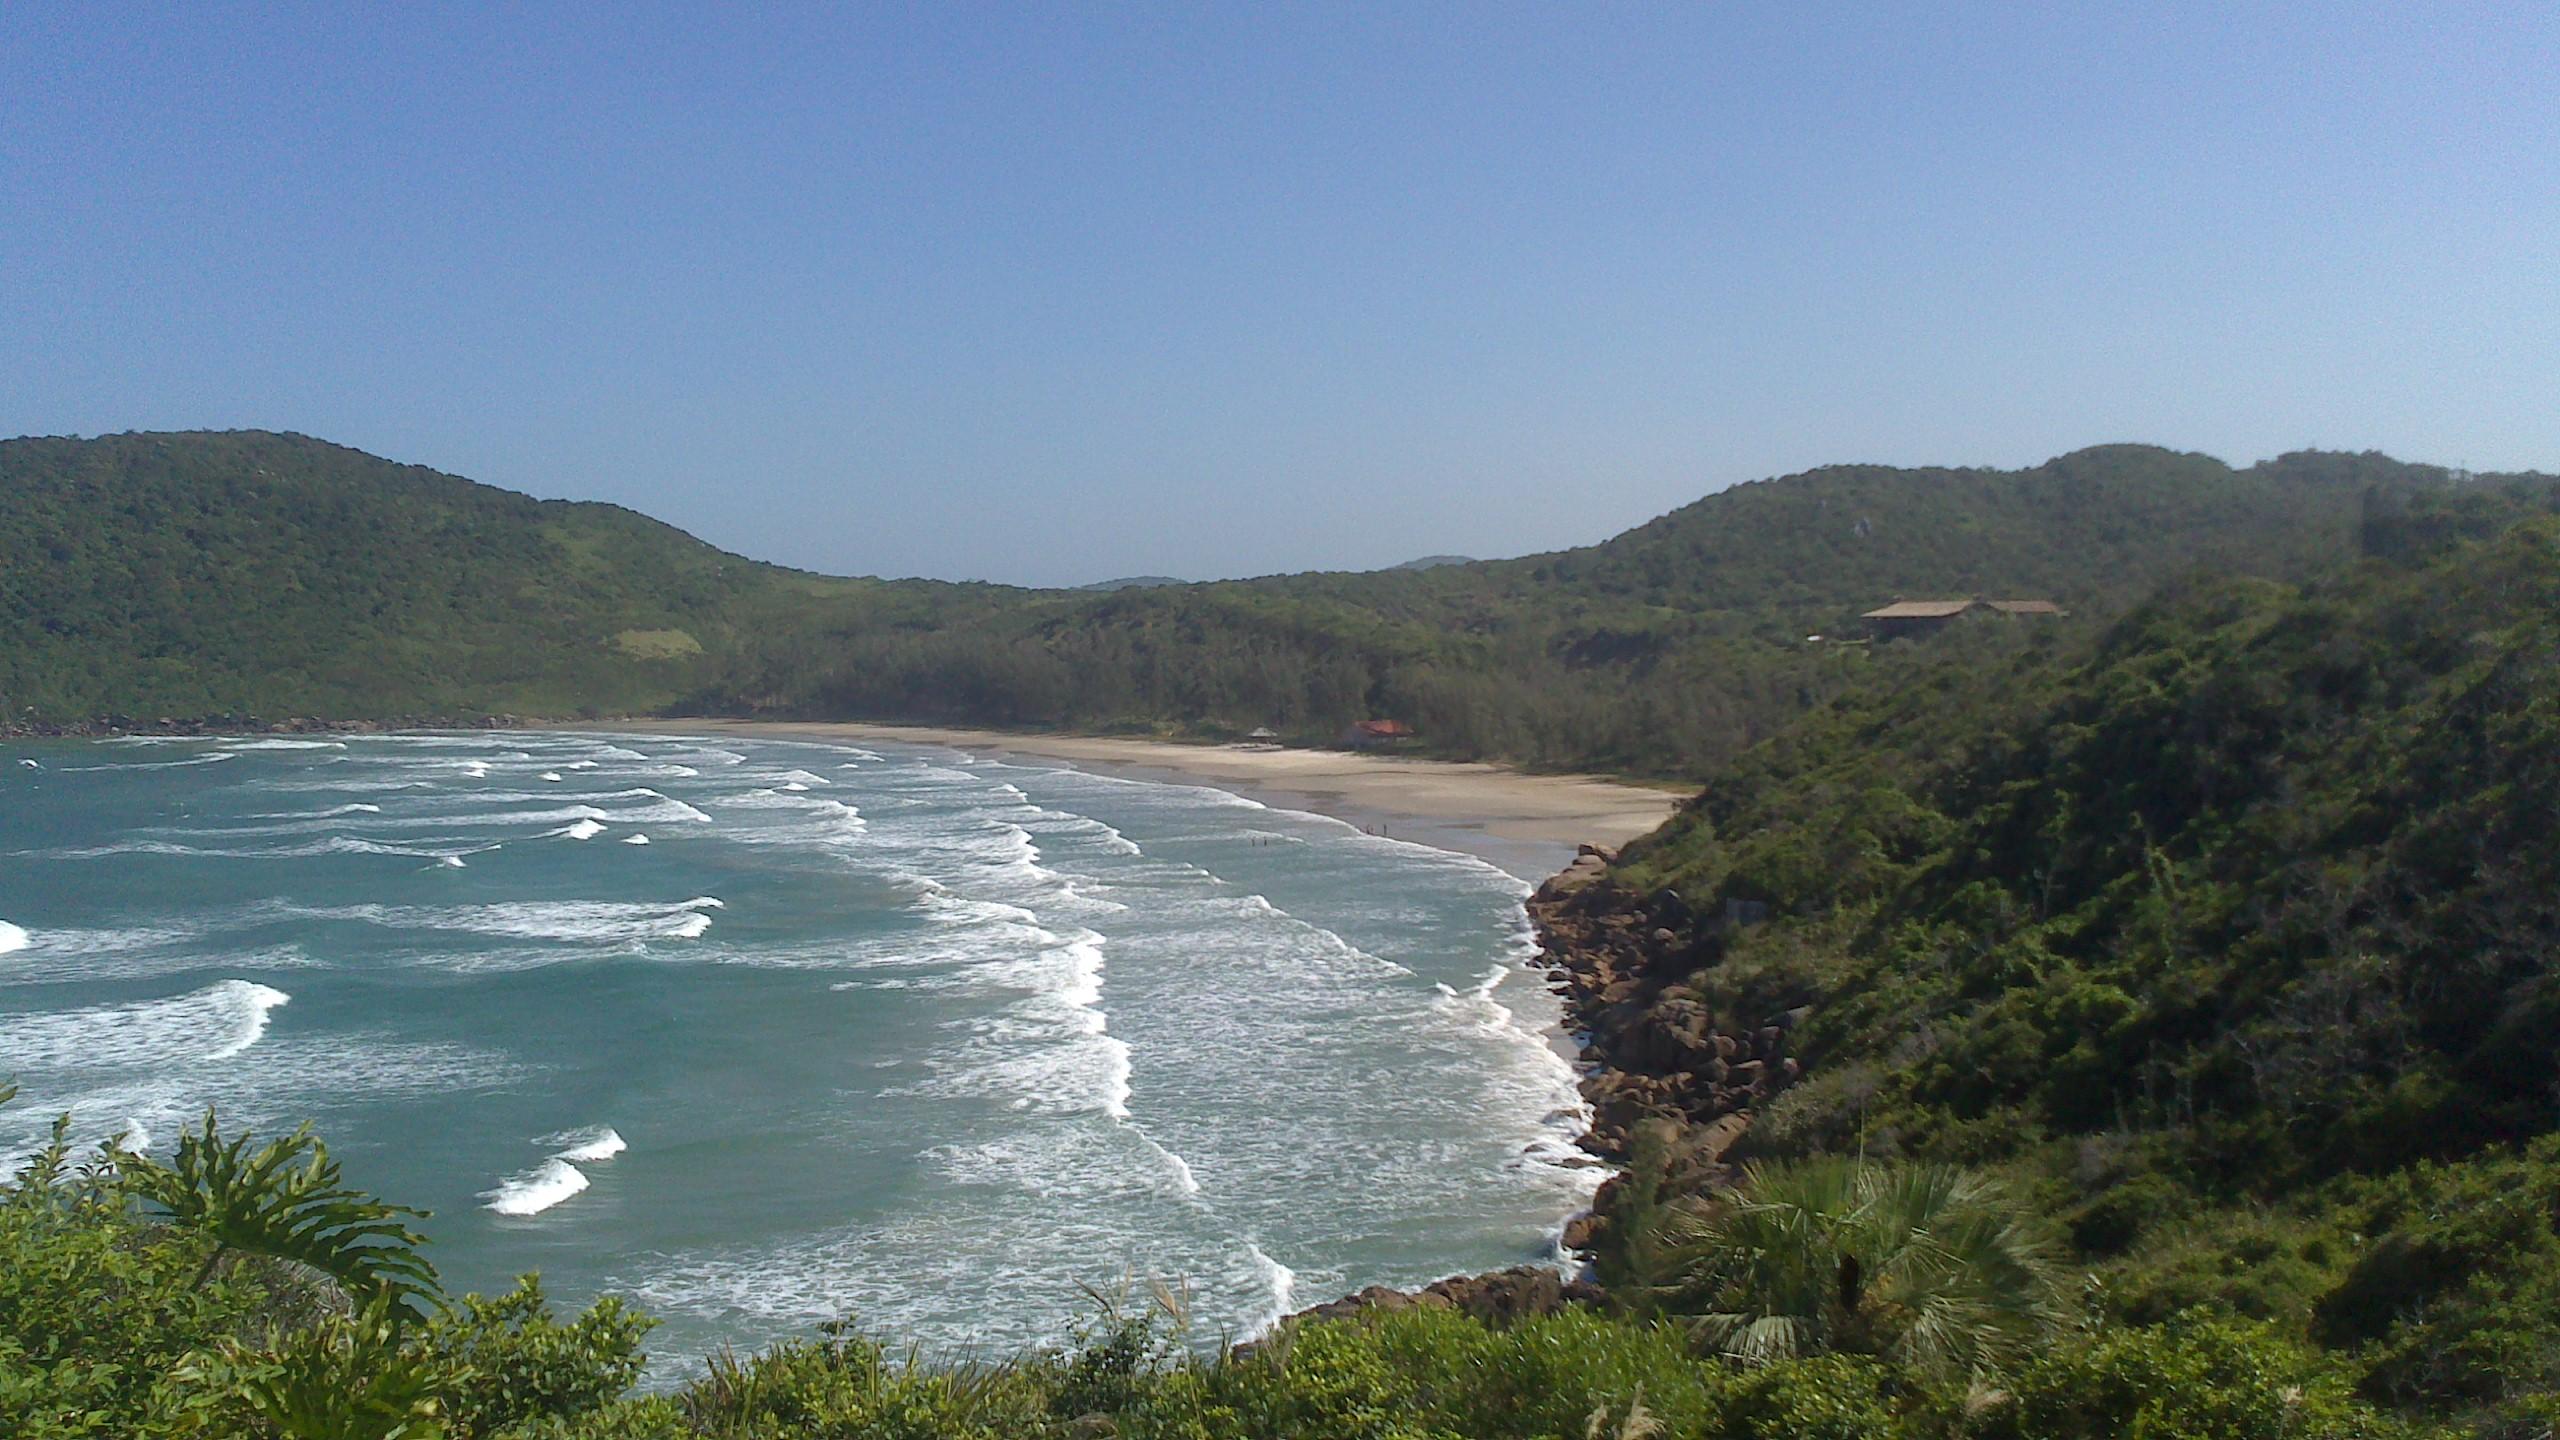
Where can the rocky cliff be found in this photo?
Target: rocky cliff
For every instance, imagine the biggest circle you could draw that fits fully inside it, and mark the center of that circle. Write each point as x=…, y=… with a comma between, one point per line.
x=1655, y=1055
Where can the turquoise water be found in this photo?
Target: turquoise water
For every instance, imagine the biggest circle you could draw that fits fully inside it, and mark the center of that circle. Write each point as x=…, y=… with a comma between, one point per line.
x=904, y=1035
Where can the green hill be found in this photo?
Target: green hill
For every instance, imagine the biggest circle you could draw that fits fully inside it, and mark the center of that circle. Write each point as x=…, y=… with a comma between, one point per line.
x=2226, y=931
x=206, y=575
x=1663, y=651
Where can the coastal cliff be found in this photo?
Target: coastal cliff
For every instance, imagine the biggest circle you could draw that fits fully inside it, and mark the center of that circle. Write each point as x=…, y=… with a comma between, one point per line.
x=1655, y=1062
x=1656, y=1059
x=1616, y=956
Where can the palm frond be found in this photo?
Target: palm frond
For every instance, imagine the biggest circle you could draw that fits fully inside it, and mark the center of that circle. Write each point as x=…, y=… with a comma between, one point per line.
x=286, y=1200
x=1929, y=1265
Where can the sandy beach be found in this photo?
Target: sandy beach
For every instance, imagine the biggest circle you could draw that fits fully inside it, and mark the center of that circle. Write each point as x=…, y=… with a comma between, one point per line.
x=1527, y=824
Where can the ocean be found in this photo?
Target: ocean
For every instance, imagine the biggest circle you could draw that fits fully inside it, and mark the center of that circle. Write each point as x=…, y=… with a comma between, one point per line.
x=763, y=1034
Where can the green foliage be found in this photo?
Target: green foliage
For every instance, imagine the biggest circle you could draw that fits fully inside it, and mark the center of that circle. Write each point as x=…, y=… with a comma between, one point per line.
x=513, y=1364
x=99, y=1313
x=1663, y=651
x=284, y=1201
x=2225, y=934
x=848, y=1385
x=1425, y=1374
x=347, y=1378
x=203, y=576
x=2199, y=1376
x=1826, y=1397
x=1934, y=1269
x=105, y=1331
x=222, y=575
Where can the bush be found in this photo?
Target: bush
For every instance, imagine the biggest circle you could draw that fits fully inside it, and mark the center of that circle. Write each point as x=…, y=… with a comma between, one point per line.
x=518, y=1364
x=1829, y=1397
x=2198, y=1377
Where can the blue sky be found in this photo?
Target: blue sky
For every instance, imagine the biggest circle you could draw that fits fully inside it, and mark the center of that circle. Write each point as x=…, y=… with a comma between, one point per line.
x=1053, y=293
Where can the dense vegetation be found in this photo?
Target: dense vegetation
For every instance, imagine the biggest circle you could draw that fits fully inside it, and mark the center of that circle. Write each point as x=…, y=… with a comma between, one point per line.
x=2172, y=989
x=2226, y=934
x=1661, y=652
x=240, y=1291
x=204, y=575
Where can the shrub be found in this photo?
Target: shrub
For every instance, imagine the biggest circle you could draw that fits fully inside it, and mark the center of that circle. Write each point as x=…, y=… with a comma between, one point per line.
x=2198, y=1377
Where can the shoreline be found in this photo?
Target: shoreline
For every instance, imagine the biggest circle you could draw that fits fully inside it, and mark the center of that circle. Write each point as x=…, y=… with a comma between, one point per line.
x=1542, y=830
x=1531, y=826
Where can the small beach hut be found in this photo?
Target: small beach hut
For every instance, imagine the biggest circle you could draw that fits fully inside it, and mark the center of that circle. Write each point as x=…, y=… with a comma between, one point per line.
x=1369, y=733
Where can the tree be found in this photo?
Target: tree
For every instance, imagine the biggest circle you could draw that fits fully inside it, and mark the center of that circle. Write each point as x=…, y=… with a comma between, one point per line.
x=285, y=1202
x=1927, y=1266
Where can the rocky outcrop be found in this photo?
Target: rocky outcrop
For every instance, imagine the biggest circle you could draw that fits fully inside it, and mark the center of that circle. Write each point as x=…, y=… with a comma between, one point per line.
x=1655, y=1052
x=1520, y=1293
x=1656, y=1059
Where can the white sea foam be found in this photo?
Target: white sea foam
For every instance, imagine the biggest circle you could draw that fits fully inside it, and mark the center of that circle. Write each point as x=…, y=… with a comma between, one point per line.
x=330, y=845
x=12, y=937
x=565, y=921
x=210, y=757
x=1051, y=1052
x=662, y=812
x=635, y=839
x=586, y=1146
x=281, y=744
x=214, y=1023
x=341, y=784
x=1265, y=1043
x=530, y=1192
x=584, y=828
x=1182, y=1175
x=1283, y=1283
x=551, y=775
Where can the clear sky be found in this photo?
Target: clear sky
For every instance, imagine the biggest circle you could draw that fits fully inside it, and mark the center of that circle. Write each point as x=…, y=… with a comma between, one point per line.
x=1051, y=293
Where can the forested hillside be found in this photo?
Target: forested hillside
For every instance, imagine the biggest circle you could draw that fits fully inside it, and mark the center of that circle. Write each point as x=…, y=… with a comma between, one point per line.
x=1663, y=651
x=2225, y=933
x=209, y=575
x=196, y=575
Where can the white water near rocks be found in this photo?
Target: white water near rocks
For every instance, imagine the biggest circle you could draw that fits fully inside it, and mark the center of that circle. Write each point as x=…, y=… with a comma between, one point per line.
x=899, y=1034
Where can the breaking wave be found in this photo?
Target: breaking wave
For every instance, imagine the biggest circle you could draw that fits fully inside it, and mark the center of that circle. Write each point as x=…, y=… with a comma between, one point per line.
x=595, y=1142
x=211, y=757
x=214, y=1023
x=565, y=921
x=530, y=1192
